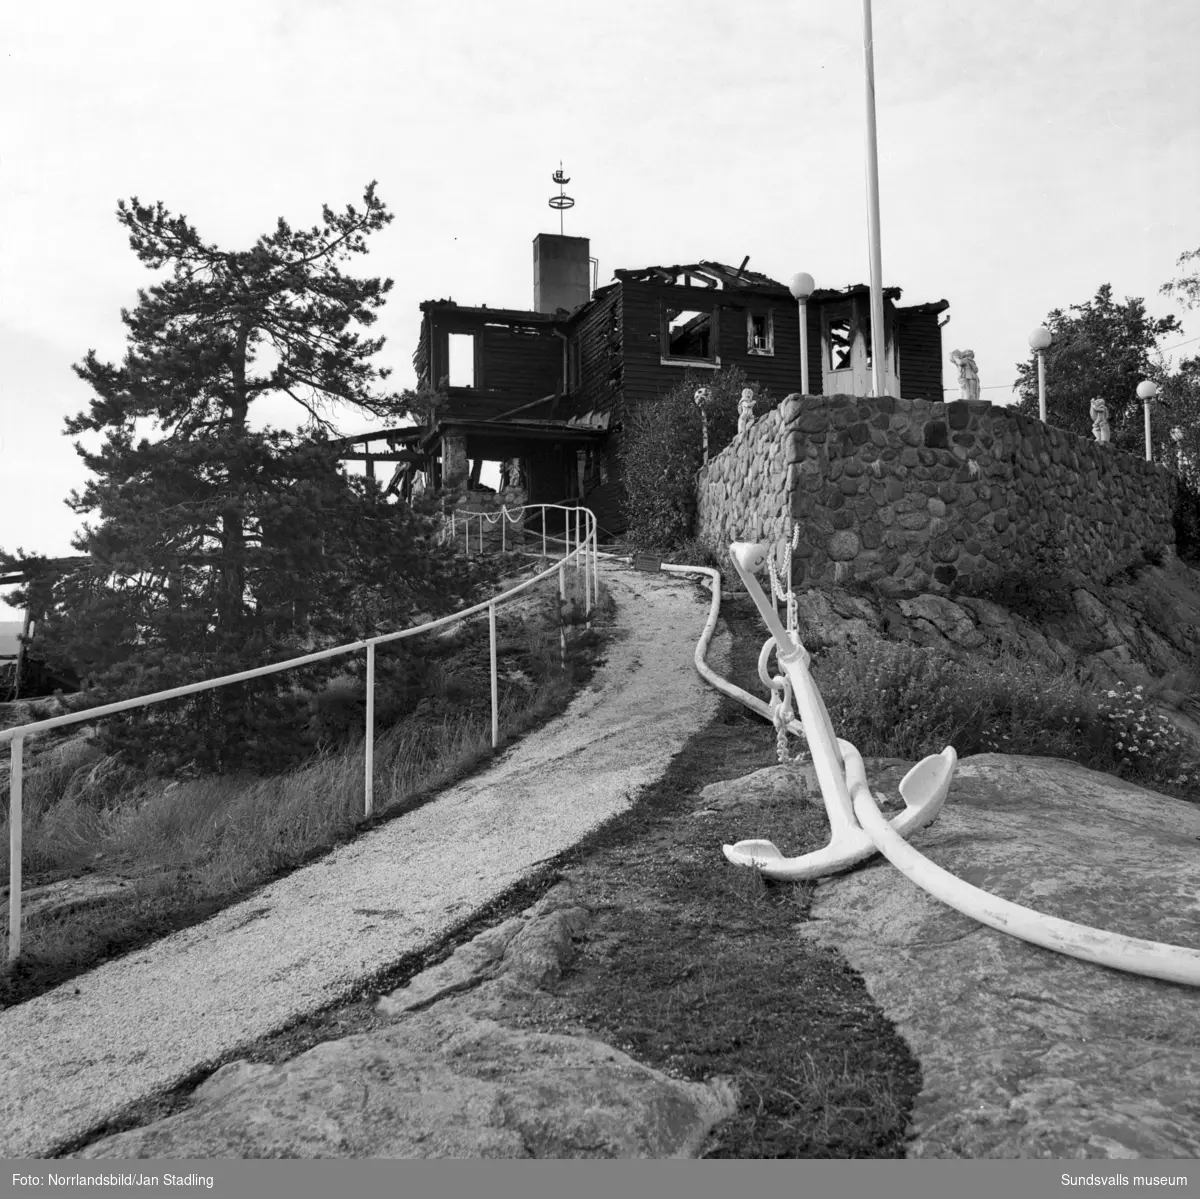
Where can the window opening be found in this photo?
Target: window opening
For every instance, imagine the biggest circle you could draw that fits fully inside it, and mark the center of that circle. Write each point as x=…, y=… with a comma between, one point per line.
x=760, y=333
x=462, y=359
x=839, y=343
x=689, y=334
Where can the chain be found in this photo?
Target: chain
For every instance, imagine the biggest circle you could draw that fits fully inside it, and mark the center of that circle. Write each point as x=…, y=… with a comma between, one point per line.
x=782, y=592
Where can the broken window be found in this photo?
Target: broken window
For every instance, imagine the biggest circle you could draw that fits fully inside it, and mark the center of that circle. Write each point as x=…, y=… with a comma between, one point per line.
x=760, y=333
x=839, y=343
x=462, y=359
x=689, y=334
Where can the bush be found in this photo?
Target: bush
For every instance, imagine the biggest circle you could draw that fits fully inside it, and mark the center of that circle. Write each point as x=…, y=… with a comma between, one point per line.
x=896, y=700
x=1185, y=514
x=662, y=449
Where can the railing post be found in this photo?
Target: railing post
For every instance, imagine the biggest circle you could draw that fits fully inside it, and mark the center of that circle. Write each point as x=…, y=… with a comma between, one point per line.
x=578, y=562
x=481, y=520
x=503, y=530
x=14, y=850
x=369, y=741
x=495, y=680
x=587, y=573
x=543, y=531
x=562, y=609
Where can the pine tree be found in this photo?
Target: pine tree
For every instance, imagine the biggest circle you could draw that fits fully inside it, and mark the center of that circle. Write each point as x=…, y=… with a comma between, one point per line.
x=218, y=546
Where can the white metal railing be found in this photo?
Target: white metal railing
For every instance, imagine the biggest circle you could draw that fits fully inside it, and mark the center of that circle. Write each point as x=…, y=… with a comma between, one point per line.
x=584, y=555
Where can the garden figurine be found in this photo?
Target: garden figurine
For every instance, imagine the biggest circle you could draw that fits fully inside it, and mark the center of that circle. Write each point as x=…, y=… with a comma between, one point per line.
x=745, y=410
x=968, y=373
x=1100, y=427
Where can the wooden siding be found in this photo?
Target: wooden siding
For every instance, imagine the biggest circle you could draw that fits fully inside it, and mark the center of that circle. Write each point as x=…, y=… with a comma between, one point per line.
x=647, y=377
x=596, y=340
x=920, y=356
x=515, y=363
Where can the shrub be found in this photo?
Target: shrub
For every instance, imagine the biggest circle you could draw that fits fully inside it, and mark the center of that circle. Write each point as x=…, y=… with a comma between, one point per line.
x=662, y=449
x=1185, y=515
x=1139, y=742
x=897, y=700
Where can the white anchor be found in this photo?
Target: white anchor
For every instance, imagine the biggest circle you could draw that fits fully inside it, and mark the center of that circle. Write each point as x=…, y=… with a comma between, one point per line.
x=838, y=765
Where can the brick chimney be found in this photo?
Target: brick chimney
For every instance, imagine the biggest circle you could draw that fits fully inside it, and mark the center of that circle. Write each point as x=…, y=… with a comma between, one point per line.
x=561, y=272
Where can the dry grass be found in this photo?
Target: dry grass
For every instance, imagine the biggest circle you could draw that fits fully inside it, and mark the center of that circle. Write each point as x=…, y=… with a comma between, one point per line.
x=192, y=846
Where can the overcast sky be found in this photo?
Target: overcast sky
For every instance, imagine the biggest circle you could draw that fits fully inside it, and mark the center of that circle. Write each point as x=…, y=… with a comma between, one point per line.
x=1029, y=152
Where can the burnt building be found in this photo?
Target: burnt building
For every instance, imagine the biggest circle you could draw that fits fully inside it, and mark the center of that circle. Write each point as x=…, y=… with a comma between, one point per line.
x=548, y=387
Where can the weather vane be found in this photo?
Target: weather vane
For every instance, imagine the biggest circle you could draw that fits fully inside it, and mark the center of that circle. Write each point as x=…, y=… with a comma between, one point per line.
x=562, y=201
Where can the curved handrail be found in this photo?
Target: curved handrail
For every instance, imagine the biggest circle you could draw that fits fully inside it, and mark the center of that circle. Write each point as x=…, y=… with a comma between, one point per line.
x=584, y=552
x=34, y=727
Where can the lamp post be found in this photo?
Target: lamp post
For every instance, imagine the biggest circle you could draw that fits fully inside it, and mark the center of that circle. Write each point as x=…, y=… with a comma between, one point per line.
x=802, y=286
x=1147, y=390
x=1039, y=342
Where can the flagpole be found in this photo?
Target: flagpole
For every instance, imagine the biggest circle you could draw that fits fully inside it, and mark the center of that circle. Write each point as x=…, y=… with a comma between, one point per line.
x=878, y=342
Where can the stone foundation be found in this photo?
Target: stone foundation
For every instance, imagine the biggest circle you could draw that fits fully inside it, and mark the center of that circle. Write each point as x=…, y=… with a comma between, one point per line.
x=929, y=496
x=461, y=500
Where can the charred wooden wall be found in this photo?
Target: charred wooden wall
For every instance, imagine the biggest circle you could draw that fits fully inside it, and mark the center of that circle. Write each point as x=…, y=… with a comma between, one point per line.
x=515, y=362
x=646, y=376
x=596, y=344
x=920, y=356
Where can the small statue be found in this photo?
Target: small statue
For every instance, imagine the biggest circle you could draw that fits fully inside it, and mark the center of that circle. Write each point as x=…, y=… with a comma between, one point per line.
x=745, y=410
x=1100, y=427
x=512, y=473
x=968, y=373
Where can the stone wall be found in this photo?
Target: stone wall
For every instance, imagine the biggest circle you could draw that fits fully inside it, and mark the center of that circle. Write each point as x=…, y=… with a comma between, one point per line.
x=462, y=500
x=924, y=496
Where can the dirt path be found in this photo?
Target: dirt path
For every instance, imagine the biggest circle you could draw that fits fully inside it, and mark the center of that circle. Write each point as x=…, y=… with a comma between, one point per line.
x=136, y=1026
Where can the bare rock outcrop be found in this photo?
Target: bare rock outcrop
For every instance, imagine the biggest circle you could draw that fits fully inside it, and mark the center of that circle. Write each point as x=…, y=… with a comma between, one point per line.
x=1140, y=630
x=1025, y=1052
x=450, y=1077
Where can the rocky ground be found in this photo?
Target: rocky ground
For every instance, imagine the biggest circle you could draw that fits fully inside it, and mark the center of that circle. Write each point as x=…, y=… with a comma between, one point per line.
x=657, y=1001
x=1143, y=628
x=1022, y=1052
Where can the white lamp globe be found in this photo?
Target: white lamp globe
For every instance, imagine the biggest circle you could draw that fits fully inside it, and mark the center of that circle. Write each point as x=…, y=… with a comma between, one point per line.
x=1147, y=390
x=1040, y=338
x=802, y=286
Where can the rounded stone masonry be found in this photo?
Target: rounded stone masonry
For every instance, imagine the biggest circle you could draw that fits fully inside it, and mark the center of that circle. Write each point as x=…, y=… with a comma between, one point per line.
x=971, y=492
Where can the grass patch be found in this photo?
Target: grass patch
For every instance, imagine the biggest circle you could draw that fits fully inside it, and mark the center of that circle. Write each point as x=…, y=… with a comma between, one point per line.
x=694, y=966
x=189, y=847
x=898, y=700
